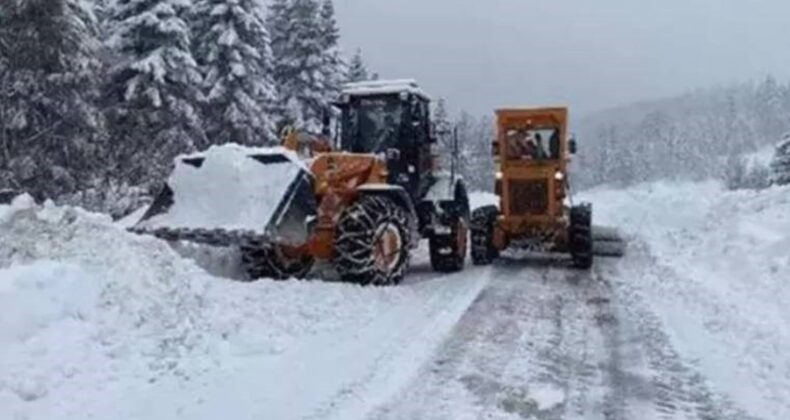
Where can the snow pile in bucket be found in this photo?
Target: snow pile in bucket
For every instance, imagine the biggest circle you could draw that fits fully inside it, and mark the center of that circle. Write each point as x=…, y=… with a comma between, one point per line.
x=94, y=319
x=230, y=190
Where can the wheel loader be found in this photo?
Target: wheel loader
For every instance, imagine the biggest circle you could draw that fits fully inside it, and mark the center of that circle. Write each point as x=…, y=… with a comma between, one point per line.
x=360, y=201
x=532, y=151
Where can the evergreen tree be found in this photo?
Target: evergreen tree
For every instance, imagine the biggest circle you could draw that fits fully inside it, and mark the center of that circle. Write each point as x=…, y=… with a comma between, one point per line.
x=234, y=53
x=49, y=125
x=334, y=66
x=771, y=114
x=443, y=129
x=302, y=38
x=154, y=90
x=358, y=71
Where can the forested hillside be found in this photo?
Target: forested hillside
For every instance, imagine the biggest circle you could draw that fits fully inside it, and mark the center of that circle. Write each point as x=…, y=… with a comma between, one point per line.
x=97, y=97
x=699, y=135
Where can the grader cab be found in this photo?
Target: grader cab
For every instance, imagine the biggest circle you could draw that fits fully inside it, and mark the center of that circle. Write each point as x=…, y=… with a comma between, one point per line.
x=532, y=151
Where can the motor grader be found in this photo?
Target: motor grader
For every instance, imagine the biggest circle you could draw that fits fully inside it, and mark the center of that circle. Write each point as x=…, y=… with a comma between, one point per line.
x=360, y=201
x=532, y=151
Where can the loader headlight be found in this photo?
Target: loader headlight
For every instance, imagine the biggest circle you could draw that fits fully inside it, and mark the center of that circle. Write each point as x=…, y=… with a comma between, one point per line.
x=499, y=175
x=559, y=176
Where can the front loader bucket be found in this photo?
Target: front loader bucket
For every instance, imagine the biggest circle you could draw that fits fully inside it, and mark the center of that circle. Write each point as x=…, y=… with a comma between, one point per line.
x=230, y=194
x=608, y=242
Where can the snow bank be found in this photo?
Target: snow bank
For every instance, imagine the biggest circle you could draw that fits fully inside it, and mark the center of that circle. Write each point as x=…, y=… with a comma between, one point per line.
x=229, y=190
x=100, y=323
x=714, y=265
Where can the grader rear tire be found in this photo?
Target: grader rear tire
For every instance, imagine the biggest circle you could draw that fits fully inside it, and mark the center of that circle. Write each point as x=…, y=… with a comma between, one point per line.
x=372, y=242
x=581, y=238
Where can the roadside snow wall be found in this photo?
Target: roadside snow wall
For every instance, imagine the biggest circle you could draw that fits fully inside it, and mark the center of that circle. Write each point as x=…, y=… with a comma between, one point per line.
x=96, y=322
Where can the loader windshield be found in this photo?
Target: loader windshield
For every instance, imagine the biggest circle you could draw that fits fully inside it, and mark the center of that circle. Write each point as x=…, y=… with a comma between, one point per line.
x=371, y=125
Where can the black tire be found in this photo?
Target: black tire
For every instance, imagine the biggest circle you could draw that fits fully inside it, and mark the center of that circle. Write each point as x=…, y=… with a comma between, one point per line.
x=482, y=228
x=372, y=242
x=448, y=251
x=580, y=236
x=266, y=260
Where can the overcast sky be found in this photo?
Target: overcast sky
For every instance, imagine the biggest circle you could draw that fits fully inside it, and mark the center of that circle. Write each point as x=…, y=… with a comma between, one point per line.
x=588, y=54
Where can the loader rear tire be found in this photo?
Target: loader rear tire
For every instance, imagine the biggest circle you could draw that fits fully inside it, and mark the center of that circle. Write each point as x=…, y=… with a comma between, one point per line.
x=482, y=227
x=372, y=242
x=267, y=260
x=448, y=252
x=581, y=237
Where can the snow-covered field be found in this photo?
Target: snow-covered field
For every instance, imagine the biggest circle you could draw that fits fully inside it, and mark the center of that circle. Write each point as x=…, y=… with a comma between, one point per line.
x=99, y=323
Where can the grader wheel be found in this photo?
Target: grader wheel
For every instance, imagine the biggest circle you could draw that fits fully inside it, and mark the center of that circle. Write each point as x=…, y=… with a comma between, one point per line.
x=448, y=252
x=580, y=235
x=483, y=250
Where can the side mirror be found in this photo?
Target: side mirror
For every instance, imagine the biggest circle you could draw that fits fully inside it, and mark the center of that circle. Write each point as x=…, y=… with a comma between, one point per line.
x=572, y=146
x=495, y=148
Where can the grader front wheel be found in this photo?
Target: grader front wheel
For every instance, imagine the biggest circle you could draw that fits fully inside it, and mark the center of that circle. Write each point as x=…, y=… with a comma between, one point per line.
x=448, y=252
x=372, y=242
x=483, y=250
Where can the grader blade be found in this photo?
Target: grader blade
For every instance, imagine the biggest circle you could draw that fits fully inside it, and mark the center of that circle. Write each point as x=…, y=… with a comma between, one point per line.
x=608, y=242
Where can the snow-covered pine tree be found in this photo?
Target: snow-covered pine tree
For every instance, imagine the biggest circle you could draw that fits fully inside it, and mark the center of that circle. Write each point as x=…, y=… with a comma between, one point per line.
x=357, y=70
x=443, y=130
x=49, y=124
x=771, y=115
x=780, y=164
x=335, y=67
x=232, y=48
x=154, y=90
x=299, y=43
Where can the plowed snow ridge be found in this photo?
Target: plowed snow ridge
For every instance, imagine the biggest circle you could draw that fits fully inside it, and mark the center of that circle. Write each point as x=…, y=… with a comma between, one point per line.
x=96, y=320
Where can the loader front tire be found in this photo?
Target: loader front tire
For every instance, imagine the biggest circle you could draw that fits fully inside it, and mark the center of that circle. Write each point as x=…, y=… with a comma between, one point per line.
x=261, y=259
x=482, y=226
x=372, y=242
x=581, y=237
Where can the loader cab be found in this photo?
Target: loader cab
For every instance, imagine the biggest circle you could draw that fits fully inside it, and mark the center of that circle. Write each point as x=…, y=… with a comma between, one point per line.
x=390, y=119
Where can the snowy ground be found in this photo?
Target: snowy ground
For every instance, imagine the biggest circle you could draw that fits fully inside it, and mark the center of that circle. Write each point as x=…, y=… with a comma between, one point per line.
x=98, y=323
x=711, y=268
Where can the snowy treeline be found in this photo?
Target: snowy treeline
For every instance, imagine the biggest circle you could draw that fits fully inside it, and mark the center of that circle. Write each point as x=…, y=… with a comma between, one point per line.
x=703, y=134
x=98, y=96
x=472, y=155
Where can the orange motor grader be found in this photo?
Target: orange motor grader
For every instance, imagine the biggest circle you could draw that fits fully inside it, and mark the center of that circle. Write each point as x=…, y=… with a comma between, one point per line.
x=360, y=201
x=532, y=150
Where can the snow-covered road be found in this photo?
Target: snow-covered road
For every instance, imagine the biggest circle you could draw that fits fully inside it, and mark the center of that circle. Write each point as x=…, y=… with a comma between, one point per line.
x=546, y=342
x=691, y=324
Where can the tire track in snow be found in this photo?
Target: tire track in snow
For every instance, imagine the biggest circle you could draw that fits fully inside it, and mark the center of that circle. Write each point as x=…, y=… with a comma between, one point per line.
x=547, y=342
x=404, y=345
x=675, y=389
x=529, y=347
